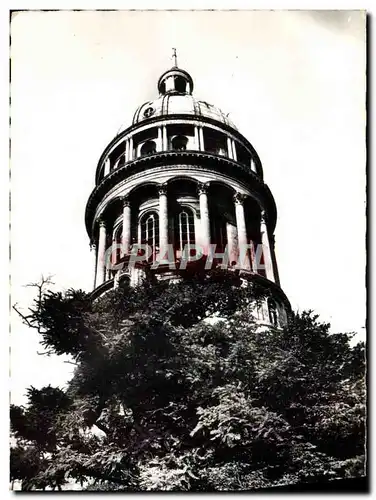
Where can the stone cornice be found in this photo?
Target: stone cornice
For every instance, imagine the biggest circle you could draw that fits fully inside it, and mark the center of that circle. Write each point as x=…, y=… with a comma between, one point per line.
x=202, y=159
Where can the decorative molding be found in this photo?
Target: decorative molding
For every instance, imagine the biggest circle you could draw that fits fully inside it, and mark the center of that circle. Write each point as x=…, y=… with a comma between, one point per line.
x=160, y=157
x=263, y=217
x=162, y=189
x=125, y=201
x=119, y=179
x=202, y=187
x=239, y=198
x=192, y=172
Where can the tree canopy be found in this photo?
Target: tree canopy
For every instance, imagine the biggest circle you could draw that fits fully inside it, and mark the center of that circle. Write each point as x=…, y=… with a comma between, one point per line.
x=176, y=388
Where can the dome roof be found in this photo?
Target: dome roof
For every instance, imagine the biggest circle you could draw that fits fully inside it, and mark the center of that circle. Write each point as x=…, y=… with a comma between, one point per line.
x=175, y=104
x=175, y=88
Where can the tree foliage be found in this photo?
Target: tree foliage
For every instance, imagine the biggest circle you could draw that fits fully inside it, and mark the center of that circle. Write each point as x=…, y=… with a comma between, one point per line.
x=177, y=389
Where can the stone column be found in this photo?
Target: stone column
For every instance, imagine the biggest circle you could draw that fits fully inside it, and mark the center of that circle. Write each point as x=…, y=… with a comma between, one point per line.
x=107, y=167
x=163, y=220
x=93, y=250
x=274, y=260
x=116, y=164
x=160, y=139
x=117, y=279
x=232, y=242
x=266, y=247
x=113, y=255
x=164, y=138
x=126, y=239
x=253, y=165
x=253, y=257
x=204, y=217
x=201, y=138
x=244, y=261
x=234, y=155
x=197, y=139
x=101, y=267
x=130, y=149
x=229, y=148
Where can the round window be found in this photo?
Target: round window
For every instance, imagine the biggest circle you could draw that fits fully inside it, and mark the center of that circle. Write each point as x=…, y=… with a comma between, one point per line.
x=148, y=112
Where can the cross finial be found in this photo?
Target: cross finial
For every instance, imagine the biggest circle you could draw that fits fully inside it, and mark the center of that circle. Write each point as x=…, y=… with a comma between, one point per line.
x=175, y=58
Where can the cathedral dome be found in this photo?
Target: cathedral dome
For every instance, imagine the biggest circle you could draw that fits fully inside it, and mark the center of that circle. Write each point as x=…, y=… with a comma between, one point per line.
x=171, y=103
x=181, y=174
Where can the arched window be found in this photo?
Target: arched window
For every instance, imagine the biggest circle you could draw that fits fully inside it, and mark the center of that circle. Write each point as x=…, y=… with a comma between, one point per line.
x=186, y=229
x=272, y=308
x=149, y=232
x=179, y=143
x=148, y=148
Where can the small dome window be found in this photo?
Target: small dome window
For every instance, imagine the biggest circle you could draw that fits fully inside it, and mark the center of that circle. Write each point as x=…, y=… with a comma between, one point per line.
x=148, y=148
x=180, y=84
x=148, y=112
x=162, y=88
x=179, y=143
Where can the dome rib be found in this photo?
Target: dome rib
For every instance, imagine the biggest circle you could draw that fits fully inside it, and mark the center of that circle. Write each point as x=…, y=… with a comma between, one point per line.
x=172, y=104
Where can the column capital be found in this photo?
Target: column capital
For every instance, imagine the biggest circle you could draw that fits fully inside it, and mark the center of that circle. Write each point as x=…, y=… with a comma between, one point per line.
x=239, y=198
x=263, y=217
x=125, y=201
x=202, y=187
x=162, y=189
x=101, y=222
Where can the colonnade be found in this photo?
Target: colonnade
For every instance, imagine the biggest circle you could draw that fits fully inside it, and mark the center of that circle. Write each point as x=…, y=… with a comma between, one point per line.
x=237, y=240
x=162, y=145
